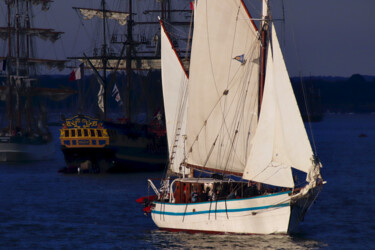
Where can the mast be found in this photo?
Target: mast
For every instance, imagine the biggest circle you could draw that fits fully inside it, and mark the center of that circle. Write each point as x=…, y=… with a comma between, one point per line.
x=9, y=38
x=19, y=59
x=138, y=55
x=27, y=20
x=129, y=44
x=8, y=71
x=104, y=61
x=18, y=79
x=263, y=51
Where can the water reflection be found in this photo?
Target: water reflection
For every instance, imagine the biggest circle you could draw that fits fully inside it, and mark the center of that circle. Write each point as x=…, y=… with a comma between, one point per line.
x=163, y=239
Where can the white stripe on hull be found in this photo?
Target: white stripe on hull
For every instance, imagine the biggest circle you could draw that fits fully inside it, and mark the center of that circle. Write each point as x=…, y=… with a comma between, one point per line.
x=258, y=215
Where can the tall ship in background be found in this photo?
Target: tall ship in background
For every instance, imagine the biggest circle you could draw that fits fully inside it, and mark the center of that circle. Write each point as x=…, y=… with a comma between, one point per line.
x=125, y=131
x=24, y=133
x=240, y=160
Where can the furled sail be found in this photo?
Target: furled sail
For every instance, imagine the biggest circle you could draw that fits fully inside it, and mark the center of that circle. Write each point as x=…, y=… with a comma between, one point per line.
x=44, y=3
x=223, y=86
x=88, y=14
x=49, y=63
x=45, y=34
x=114, y=63
x=174, y=80
x=280, y=141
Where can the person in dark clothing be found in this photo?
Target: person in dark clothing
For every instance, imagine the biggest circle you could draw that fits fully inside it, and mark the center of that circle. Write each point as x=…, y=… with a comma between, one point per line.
x=204, y=196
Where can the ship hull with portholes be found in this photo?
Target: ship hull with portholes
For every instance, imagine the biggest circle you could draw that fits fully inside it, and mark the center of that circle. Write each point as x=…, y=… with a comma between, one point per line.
x=93, y=146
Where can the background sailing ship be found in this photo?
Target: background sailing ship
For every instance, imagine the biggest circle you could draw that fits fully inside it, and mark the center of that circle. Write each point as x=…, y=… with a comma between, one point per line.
x=126, y=69
x=238, y=140
x=24, y=134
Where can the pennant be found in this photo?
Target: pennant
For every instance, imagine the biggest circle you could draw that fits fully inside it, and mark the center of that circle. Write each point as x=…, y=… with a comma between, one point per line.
x=76, y=74
x=101, y=98
x=116, y=94
x=240, y=58
x=192, y=5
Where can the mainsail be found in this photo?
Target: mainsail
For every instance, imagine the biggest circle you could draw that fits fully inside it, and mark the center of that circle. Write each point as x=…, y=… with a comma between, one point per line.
x=223, y=92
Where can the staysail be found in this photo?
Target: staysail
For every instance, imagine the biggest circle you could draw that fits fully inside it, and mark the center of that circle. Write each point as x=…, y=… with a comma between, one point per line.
x=223, y=86
x=280, y=141
x=174, y=80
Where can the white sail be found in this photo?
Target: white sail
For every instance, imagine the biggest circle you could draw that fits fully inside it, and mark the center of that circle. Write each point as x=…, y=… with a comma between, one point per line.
x=88, y=14
x=281, y=141
x=296, y=143
x=223, y=91
x=174, y=80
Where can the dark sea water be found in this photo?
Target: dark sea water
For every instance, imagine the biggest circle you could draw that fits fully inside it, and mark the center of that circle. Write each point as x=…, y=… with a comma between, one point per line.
x=42, y=209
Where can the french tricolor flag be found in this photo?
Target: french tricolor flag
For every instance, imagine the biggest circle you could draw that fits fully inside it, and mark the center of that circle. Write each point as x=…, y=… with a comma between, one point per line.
x=76, y=74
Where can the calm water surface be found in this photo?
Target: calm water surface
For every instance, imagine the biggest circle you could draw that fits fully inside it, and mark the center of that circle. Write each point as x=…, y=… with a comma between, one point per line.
x=42, y=209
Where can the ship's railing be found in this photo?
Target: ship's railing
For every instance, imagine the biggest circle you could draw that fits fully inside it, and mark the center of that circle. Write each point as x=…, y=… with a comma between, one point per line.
x=84, y=137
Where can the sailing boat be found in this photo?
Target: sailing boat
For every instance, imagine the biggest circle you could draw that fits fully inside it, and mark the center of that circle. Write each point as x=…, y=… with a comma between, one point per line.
x=236, y=139
x=125, y=144
x=26, y=135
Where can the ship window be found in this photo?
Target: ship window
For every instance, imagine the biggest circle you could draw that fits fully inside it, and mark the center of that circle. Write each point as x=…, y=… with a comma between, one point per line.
x=99, y=133
x=73, y=133
x=92, y=132
x=79, y=132
x=66, y=133
x=85, y=132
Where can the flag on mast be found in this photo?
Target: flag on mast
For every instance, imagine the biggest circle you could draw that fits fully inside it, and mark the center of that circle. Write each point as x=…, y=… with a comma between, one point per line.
x=101, y=98
x=116, y=94
x=76, y=74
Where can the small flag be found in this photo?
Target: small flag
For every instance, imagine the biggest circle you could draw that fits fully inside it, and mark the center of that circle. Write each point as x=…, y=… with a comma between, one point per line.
x=76, y=74
x=192, y=5
x=240, y=58
x=116, y=94
x=101, y=98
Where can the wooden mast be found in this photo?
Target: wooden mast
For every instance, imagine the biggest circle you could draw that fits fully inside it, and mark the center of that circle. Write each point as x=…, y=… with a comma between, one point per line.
x=18, y=79
x=129, y=44
x=8, y=71
x=104, y=62
x=263, y=52
x=27, y=89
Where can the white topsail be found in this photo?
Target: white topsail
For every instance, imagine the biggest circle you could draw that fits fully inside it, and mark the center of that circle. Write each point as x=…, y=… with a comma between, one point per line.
x=223, y=92
x=280, y=141
x=174, y=80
